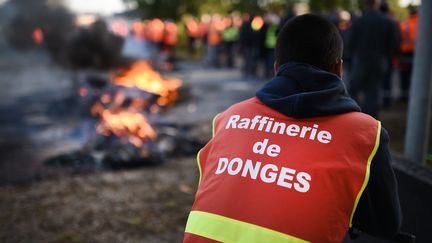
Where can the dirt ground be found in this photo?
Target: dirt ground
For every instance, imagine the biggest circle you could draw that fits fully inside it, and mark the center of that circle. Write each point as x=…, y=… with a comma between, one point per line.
x=144, y=205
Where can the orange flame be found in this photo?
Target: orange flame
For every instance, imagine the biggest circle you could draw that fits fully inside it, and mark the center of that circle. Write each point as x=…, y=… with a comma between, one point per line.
x=126, y=124
x=142, y=76
x=130, y=124
x=37, y=36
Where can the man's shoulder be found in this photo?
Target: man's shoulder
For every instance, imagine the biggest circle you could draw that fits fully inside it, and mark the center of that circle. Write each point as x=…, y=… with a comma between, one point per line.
x=354, y=121
x=244, y=104
x=246, y=107
x=357, y=117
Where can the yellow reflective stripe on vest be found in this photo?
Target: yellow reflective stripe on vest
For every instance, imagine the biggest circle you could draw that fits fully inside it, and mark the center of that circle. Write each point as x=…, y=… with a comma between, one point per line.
x=199, y=167
x=223, y=229
x=366, y=179
x=213, y=125
x=198, y=154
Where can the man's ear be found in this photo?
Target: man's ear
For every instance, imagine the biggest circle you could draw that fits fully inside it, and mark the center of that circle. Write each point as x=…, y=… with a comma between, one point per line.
x=275, y=67
x=338, y=68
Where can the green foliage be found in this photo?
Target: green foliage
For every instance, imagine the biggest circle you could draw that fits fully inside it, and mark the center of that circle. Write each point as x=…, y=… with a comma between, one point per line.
x=166, y=9
x=212, y=6
x=175, y=9
x=399, y=12
x=330, y=5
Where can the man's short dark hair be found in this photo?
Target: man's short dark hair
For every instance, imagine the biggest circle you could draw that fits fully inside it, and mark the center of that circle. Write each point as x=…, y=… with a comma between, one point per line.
x=309, y=39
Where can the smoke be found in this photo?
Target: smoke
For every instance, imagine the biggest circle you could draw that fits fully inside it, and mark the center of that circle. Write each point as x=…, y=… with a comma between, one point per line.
x=69, y=45
x=94, y=47
x=55, y=21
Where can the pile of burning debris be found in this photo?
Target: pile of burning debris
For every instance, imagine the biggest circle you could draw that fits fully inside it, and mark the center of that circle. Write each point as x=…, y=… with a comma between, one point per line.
x=128, y=132
x=121, y=120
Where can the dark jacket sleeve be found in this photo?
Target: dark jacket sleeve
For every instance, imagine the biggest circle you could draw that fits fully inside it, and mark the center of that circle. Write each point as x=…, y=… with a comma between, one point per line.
x=378, y=212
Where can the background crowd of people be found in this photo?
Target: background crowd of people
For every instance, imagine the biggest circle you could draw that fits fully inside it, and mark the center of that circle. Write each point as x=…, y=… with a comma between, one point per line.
x=376, y=45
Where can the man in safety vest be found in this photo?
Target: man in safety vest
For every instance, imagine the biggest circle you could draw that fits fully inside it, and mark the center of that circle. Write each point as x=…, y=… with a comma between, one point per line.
x=169, y=43
x=214, y=40
x=408, y=33
x=298, y=162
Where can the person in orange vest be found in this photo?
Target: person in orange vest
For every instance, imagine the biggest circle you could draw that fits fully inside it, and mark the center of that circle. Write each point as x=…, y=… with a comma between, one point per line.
x=193, y=33
x=169, y=43
x=408, y=32
x=155, y=33
x=214, y=40
x=386, y=87
x=170, y=34
x=299, y=162
x=204, y=26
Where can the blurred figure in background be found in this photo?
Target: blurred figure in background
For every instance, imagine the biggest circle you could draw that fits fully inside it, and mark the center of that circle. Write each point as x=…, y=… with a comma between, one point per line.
x=244, y=31
x=230, y=36
x=252, y=39
x=372, y=41
x=204, y=26
x=214, y=41
x=408, y=31
x=344, y=25
x=289, y=14
x=169, y=43
x=193, y=33
x=155, y=31
x=387, y=81
x=272, y=21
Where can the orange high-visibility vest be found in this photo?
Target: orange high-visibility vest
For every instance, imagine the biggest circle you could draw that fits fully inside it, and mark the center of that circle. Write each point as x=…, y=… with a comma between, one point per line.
x=193, y=28
x=170, y=37
x=214, y=36
x=155, y=30
x=408, y=29
x=265, y=177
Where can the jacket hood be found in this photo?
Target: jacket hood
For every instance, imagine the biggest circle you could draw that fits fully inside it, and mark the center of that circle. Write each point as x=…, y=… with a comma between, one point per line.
x=300, y=90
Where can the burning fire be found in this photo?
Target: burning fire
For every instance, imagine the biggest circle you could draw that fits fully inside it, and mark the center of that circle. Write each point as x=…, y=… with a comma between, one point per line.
x=126, y=124
x=129, y=123
x=37, y=36
x=142, y=76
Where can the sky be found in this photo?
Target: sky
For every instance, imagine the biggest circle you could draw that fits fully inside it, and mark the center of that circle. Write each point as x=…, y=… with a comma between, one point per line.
x=104, y=7
x=405, y=3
